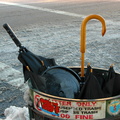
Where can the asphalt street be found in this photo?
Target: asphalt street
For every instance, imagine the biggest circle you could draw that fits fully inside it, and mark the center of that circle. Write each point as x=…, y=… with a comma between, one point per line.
x=51, y=29
x=22, y=16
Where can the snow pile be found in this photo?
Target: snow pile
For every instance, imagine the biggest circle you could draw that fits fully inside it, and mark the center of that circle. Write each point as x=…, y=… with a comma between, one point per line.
x=27, y=97
x=16, y=113
x=19, y=113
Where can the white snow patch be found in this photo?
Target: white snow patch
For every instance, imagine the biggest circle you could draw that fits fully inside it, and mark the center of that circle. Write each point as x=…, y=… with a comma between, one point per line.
x=16, y=113
x=27, y=97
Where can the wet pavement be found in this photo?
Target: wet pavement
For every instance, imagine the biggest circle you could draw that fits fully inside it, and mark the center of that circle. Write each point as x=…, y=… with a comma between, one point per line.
x=10, y=96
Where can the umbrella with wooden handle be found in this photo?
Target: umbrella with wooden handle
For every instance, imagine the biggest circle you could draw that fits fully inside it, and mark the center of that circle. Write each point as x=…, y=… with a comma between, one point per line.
x=91, y=89
x=83, y=36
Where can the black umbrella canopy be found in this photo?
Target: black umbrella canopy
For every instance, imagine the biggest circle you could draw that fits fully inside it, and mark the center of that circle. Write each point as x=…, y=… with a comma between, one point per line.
x=116, y=86
x=91, y=88
x=87, y=71
x=58, y=81
x=83, y=79
x=32, y=62
x=35, y=81
x=108, y=86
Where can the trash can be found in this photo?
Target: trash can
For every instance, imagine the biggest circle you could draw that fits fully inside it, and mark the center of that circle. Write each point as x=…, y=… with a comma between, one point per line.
x=48, y=107
x=92, y=103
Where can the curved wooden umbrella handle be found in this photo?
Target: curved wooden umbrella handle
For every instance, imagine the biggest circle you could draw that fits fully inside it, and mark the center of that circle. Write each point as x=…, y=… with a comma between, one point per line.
x=83, y=36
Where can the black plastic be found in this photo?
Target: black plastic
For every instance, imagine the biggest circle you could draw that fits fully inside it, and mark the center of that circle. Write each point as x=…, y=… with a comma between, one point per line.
x=12, y=34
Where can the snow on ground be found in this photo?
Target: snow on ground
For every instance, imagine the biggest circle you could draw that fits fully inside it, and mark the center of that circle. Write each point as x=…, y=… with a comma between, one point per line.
x=100, y=51
x=16, y=113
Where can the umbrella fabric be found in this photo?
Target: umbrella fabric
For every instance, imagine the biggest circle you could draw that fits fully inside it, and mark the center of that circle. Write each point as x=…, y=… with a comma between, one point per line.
x=36, y=81
x=101, y=76
x=87, y=71
x=109, y=83
x=57, y=81
x=91, y=88
x=34, y=63
x=116, y=86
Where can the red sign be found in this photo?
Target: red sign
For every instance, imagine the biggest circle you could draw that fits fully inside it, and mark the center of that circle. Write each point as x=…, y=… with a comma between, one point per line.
x=46, y=105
